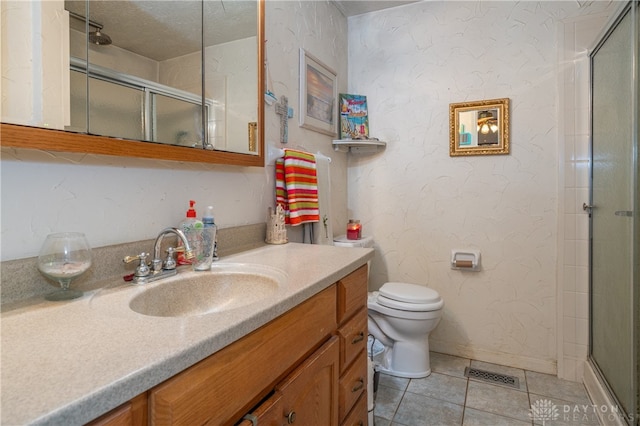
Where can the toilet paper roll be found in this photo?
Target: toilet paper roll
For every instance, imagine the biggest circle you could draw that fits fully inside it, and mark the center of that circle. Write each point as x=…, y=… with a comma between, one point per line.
x=464, y=264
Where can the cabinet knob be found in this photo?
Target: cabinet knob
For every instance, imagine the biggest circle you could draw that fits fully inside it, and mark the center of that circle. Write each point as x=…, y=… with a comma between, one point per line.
x=291, y=417
x=359, y=385
x=359, y=338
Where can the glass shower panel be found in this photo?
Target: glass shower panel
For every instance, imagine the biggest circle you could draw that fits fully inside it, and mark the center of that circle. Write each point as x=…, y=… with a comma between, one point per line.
x=612, y=307
x=636, y=206
x=177, y=121
x=116, y=110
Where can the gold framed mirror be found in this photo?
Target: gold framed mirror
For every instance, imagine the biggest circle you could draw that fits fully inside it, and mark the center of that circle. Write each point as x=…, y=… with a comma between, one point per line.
x=479, y=127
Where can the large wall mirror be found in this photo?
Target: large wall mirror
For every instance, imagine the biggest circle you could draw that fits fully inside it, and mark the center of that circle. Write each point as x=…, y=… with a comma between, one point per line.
x=479, y=127
x=180, y=80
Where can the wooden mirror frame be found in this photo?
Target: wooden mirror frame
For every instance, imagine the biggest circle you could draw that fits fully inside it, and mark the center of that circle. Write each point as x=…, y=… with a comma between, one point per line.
x=499, y=148
x=17, y=136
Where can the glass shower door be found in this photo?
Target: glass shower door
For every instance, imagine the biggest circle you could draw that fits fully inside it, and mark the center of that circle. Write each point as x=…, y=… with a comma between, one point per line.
x=613, y=301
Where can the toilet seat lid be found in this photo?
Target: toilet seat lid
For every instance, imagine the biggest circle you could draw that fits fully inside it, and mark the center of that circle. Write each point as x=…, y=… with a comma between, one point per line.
x=409, y=297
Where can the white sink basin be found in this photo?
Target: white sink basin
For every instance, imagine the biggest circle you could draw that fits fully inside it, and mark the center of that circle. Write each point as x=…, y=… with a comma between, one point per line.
x=226, y=287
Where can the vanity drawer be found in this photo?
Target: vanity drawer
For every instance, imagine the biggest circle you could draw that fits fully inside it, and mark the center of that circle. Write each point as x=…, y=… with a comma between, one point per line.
x=353, y=338
x=353, y=383
x=352, y=293
x=359, y=416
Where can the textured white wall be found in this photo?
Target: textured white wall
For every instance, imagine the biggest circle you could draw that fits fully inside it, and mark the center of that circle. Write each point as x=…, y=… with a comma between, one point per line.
x=116, y=200
x=419, y=203
x=319, y=28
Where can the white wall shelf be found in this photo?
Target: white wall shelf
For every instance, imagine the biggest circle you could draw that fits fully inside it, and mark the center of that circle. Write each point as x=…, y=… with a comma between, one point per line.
x=358, y=146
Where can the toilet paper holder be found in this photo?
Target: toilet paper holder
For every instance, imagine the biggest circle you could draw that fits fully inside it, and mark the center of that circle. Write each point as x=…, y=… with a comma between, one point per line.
x=468, y=260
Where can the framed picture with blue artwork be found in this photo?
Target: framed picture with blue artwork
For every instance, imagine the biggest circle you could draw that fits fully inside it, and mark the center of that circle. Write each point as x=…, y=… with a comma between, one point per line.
x=318, y=95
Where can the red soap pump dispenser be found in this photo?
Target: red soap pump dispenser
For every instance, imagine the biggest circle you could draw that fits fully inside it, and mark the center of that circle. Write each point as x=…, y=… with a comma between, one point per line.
x=190, y=223
x=354, y=230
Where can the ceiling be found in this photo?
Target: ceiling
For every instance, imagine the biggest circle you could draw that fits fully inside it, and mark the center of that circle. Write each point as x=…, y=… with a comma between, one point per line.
x=160, y=30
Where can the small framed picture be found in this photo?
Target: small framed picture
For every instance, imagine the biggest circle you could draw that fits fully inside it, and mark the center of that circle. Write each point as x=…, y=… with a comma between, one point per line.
x=318, y=95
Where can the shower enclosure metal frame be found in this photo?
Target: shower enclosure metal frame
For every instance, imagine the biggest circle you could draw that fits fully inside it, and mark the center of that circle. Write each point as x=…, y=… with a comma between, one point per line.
x=150, y=89
x=632, y=412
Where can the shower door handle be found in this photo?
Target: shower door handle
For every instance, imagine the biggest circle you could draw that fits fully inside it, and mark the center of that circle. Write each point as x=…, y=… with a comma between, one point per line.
x=587, y=207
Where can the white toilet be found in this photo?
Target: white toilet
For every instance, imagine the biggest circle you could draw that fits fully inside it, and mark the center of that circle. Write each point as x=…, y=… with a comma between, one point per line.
x=401, y=316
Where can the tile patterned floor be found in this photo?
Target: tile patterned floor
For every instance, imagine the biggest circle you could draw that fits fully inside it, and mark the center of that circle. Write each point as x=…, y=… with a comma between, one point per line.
x=447, y=397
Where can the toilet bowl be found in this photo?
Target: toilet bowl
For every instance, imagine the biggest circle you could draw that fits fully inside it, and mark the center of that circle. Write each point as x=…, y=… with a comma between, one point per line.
x=401, y=316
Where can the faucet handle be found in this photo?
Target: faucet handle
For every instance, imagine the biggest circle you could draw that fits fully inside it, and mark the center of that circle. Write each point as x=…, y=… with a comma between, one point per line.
x=170, y=262
x=142, y=270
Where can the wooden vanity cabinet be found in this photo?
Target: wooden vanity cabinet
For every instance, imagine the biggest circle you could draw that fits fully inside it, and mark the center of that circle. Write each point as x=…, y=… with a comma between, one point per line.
x=224, y=386
x=306, y=367
x=312, y=389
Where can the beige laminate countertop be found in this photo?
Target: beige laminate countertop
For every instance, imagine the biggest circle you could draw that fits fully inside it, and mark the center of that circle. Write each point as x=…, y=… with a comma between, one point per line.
x=69, y=362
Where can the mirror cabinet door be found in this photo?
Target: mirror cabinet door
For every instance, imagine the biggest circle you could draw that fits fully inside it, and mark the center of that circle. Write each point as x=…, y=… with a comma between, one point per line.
x=144, y=79
x=78, y=83
x=230, y=31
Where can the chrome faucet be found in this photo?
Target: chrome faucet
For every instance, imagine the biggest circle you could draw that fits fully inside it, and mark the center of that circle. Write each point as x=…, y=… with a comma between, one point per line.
x=158, y=268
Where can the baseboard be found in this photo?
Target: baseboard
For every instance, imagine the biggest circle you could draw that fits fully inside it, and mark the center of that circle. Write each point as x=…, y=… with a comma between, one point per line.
x=548, y=366
x=600, y=398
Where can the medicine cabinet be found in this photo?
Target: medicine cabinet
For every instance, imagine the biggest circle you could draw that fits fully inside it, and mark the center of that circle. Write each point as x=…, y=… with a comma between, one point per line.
x=203, y=137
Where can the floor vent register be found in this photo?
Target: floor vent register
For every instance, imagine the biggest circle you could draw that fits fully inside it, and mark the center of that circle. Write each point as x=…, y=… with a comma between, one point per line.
x=491, y=377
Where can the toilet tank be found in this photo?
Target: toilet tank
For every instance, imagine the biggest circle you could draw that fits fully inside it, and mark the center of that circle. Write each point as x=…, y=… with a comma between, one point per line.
x=343, y=241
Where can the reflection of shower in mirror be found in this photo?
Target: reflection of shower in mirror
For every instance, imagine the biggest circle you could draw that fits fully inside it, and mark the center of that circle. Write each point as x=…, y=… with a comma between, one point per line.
x=95, y=37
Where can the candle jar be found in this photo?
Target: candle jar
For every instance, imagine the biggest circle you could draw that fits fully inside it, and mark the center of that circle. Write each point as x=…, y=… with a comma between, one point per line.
x=354, y=230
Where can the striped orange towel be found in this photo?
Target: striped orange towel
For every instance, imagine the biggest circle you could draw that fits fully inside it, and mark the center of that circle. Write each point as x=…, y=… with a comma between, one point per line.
x=297, y=187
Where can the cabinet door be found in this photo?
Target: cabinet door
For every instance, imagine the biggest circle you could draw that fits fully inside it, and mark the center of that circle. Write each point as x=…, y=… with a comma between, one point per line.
x=310, y=393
